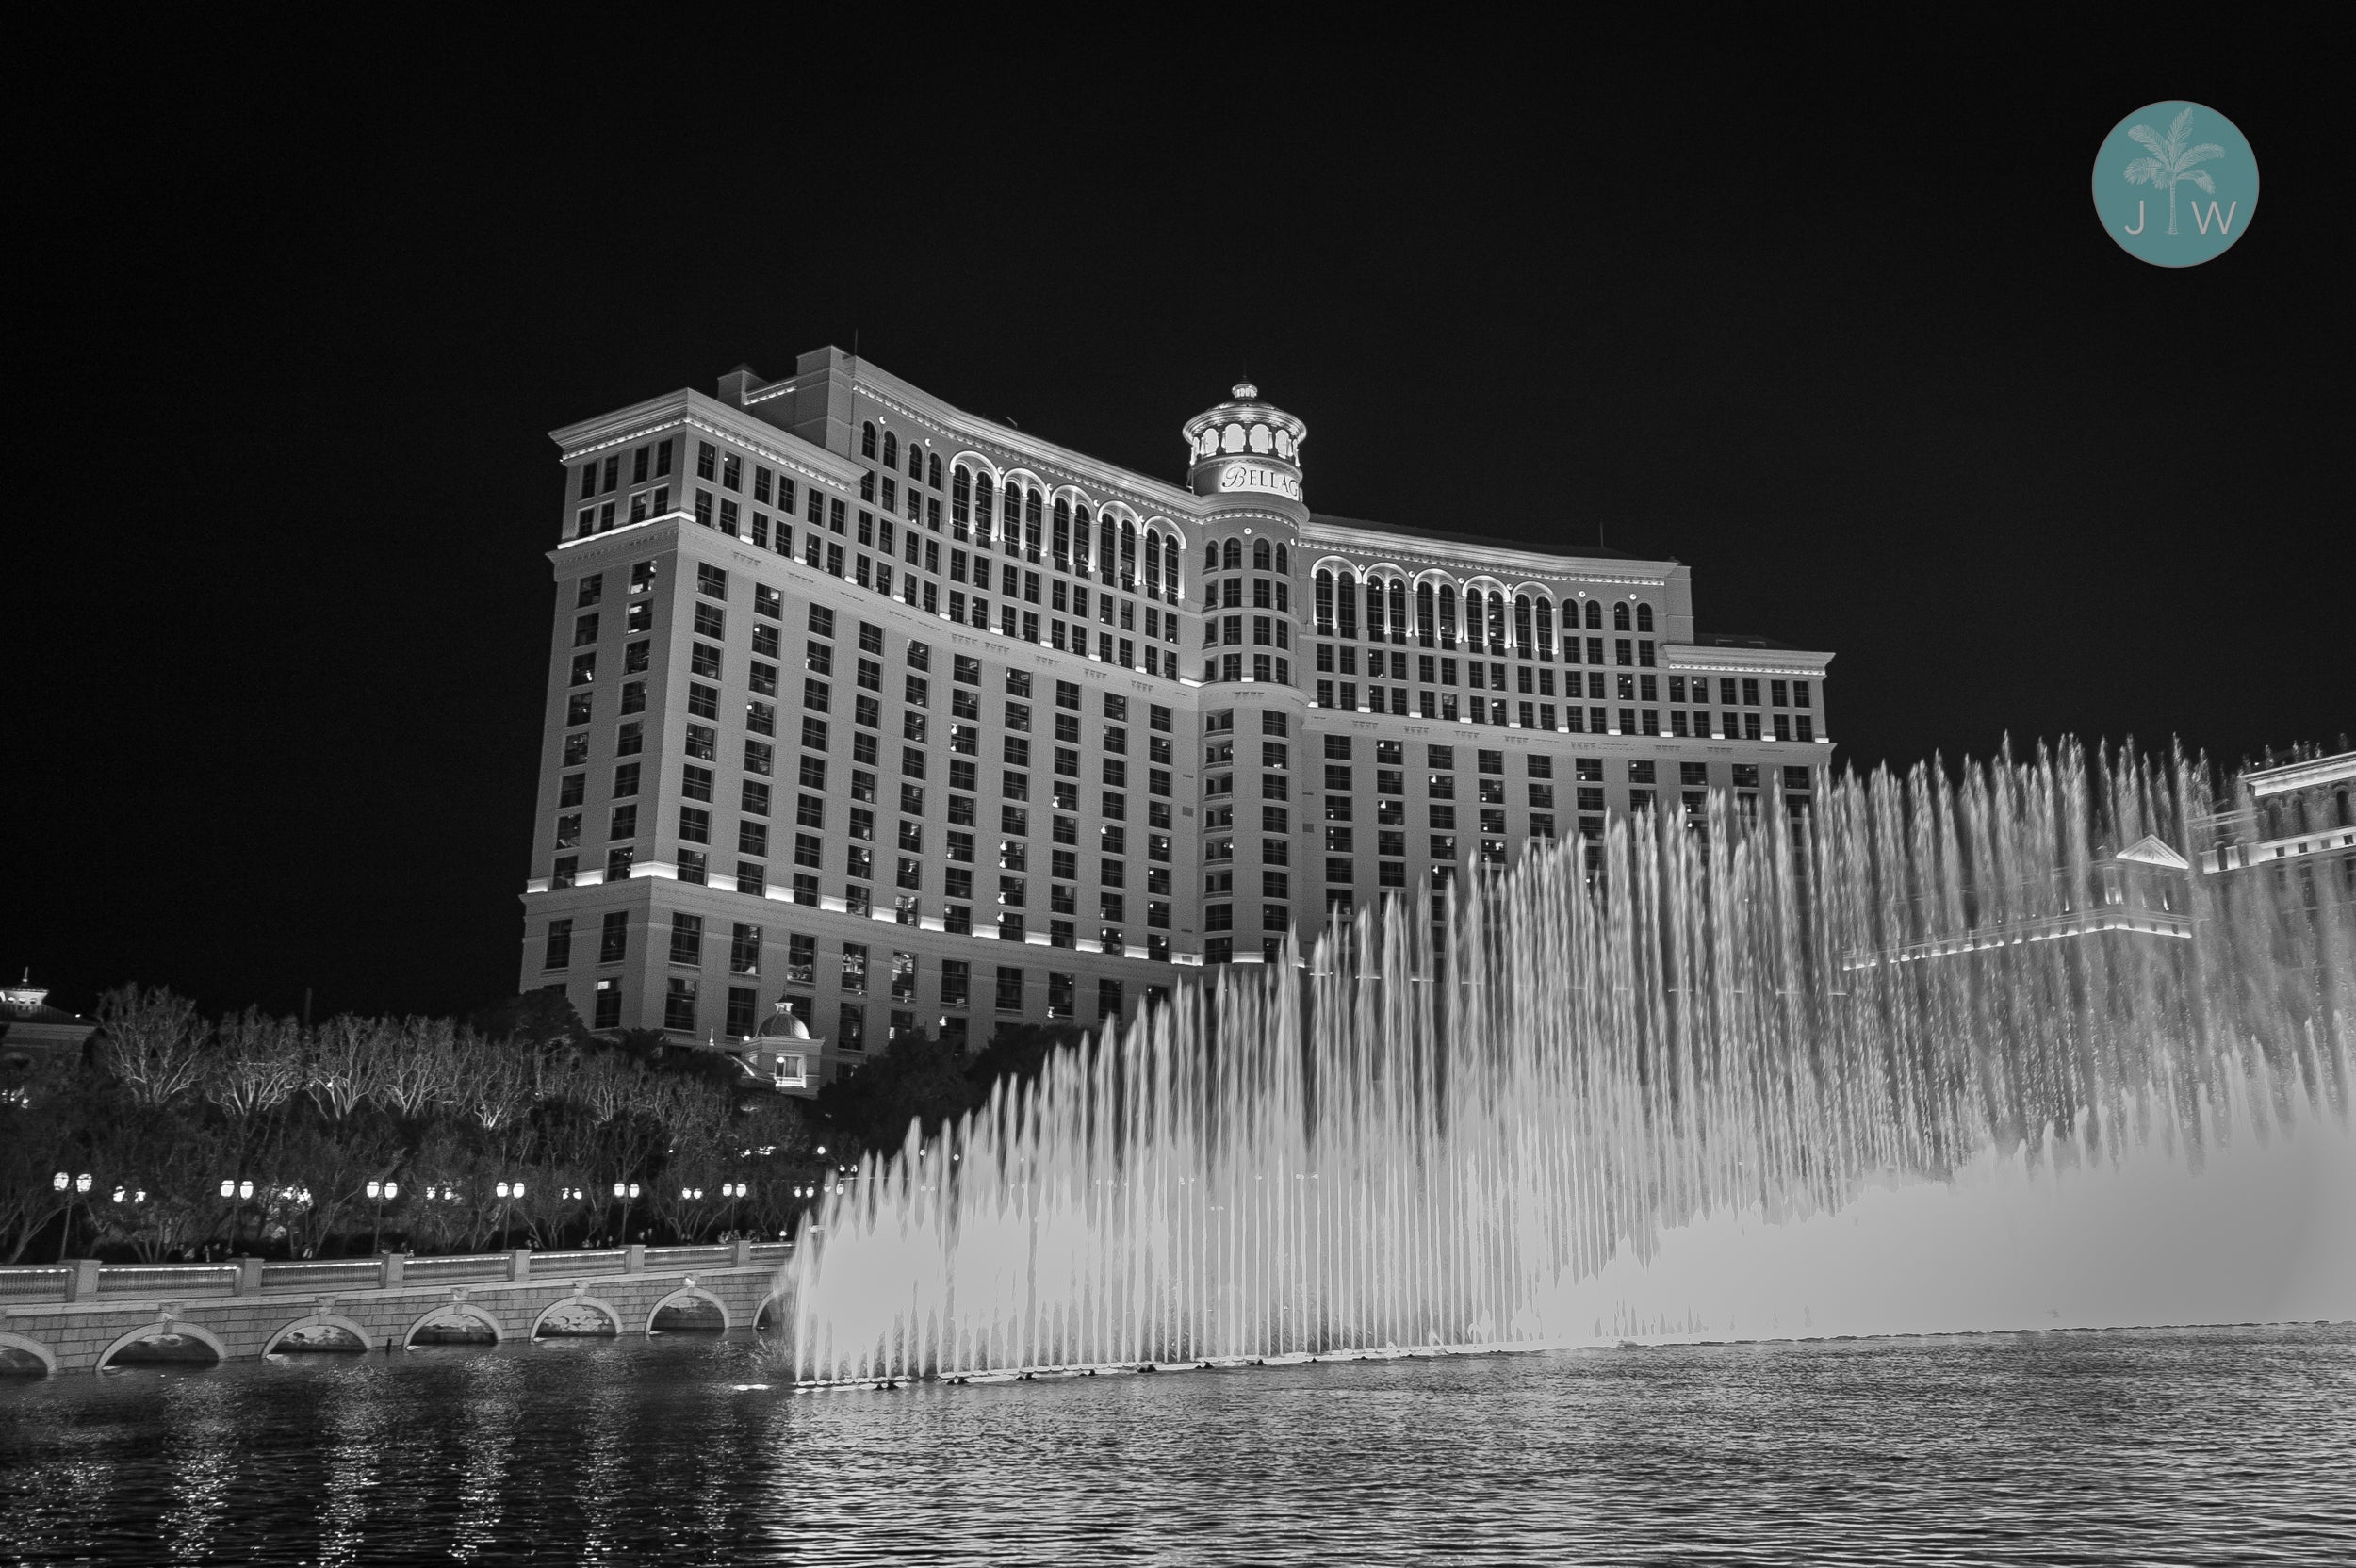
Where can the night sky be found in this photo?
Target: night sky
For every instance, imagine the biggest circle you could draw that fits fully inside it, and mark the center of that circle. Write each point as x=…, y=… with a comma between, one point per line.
x=1847, y=339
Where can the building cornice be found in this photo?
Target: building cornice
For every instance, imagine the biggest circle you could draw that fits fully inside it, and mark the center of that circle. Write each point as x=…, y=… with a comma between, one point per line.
x=688, y=409
x=1460, y=556
x=1739, y=660
x=1012, y=448
x=2300, y=775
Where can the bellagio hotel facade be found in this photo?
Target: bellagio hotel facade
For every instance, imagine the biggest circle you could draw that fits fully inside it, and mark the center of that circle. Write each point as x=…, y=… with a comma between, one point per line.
x=885, y=717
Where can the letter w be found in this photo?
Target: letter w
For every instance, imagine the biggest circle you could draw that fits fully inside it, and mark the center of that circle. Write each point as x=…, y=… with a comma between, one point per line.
x=2224, y=224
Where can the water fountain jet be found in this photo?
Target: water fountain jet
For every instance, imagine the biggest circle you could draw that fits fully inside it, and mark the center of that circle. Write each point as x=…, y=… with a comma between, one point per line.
x=1736, y=1081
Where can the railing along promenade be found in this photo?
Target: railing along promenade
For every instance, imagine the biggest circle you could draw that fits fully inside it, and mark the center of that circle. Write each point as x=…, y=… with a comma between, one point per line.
x=83, y=1313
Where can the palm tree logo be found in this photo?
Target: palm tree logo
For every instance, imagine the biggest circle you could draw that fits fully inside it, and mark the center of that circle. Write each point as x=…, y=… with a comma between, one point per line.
x=2171, y=160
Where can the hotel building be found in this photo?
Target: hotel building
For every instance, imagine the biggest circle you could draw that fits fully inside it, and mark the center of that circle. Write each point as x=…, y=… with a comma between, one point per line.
x=875, y=715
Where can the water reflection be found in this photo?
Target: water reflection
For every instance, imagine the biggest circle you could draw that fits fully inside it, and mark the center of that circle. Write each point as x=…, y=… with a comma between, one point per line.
x=2207, y=1445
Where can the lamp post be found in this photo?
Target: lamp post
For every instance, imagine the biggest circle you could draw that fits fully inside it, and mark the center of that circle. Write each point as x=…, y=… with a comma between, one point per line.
x=381, y=1193
x=77, y=1188
x=626, y=1191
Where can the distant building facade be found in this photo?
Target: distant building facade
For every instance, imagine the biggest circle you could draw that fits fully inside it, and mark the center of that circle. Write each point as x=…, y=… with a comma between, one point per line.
x=2301, y=813
x=32, y=1032
x=905, y=720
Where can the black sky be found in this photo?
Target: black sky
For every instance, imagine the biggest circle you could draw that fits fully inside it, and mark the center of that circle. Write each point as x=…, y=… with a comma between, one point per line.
x=1832, y=321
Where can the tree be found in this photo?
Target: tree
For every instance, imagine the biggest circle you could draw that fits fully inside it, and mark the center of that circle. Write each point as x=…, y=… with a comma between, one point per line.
x=346, y=1060
x=151, y=1042
x=2172, y=160
x=37, y=1127
x=255, y=1065
x=916, y=1079
x=1019, y=1052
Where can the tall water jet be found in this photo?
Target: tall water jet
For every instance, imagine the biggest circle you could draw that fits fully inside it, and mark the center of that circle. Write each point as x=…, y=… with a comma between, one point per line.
x=1601, y=1094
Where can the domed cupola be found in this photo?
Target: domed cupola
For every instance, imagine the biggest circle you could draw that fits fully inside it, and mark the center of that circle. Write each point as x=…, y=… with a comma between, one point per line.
x=1246, y=447
x=781, y=1025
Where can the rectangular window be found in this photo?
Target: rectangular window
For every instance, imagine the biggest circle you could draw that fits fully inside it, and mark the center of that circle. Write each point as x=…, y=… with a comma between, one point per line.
x=614, y=938
x=679, y=1004
x=1009, y=990
x=687, y=940
x=560, y=948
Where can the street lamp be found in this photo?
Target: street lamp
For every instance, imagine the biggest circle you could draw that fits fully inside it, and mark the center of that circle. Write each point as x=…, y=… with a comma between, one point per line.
x=627, y=1191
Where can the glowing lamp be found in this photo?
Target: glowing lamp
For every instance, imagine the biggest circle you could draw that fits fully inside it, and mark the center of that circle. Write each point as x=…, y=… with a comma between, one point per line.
x=228, y=1189
x=60, y=1181
x=376, y=1189
x=245, y=1190
x=81, y=1183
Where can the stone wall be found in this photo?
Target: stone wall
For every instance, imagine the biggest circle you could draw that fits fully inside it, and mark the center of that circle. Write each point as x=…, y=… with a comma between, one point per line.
x=81, y=1336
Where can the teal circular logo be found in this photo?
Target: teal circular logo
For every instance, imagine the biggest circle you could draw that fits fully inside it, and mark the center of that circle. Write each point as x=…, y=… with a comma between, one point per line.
x=2175, y=183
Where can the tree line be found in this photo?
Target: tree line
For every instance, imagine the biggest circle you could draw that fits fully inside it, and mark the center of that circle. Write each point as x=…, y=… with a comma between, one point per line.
x=177, y=1136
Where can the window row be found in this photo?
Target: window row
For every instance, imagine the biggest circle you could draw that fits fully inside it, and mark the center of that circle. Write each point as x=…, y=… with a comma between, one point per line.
x=1492, y=620
x=1023, y=522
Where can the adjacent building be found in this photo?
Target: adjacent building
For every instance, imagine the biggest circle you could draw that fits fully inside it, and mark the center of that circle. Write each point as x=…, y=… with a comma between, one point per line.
x=2301, y=813
x=893, y=717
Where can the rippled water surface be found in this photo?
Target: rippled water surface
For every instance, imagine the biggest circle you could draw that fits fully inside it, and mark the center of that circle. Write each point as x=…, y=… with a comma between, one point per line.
x=2168, y=1447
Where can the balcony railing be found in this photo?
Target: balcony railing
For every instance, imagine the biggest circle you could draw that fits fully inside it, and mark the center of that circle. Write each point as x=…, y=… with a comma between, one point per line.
x=89, y=1280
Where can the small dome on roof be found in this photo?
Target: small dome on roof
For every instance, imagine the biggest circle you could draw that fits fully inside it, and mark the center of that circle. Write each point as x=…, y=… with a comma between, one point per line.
x=782, y=1025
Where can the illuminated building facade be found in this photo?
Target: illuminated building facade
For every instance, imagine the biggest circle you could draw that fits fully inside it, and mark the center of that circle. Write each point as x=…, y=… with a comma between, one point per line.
x=904, y=719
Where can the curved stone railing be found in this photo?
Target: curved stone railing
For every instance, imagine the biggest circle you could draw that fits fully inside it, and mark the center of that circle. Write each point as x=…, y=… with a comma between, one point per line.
x=89, y=1280
x=83, y=1313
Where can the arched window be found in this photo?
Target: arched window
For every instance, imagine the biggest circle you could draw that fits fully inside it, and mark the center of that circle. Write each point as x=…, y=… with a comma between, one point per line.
x=1570, y=625
x=1595, y=615
x=1399, y=610
x=1496, y=626
x=916, y=461
x=1031, y=521
x=892, y=451
x=932, y=464
x=1476, y=609
x=1261, y=555
x=1235, y=555
x=1325, y=604
x=1153, y=564
x=1106, y=546
x=1619, y=616
x=1644, y=617
x=1346, y=600
x=1210, y=555
x=1283, y=561
x=1447, y=614
x=1546, y=627
x=1423, y=613
x=867, y=439
x=2346, y=820
x=1374, y=609
x=982, y=492
x=1522, y=625
x=1080, y=540
x=1062, y=540
x=960, y=502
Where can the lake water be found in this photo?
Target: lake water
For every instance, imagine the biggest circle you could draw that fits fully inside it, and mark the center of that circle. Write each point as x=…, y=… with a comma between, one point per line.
x=2210, y=1445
